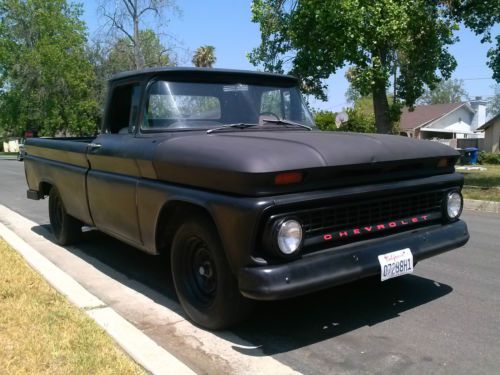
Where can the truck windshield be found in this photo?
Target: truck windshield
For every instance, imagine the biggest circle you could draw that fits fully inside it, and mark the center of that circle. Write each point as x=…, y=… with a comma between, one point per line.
x=187, y=105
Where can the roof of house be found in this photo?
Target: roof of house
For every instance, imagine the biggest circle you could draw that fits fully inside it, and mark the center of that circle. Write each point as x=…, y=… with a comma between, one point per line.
x=490, y=122
x=424, y=114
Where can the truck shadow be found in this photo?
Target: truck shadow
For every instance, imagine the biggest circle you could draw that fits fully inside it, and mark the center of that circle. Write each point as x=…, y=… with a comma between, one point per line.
x=275, y=327
x=283, y=326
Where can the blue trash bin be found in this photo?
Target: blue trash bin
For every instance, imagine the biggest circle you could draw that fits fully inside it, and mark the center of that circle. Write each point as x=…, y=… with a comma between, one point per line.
x=471, y=153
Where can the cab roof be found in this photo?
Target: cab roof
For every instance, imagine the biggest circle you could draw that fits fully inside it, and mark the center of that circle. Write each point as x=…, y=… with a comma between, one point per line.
x=207, y=75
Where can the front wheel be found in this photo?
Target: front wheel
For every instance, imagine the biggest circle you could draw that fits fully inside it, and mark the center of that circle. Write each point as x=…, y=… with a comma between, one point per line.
x=66, y=229
x=206, y=288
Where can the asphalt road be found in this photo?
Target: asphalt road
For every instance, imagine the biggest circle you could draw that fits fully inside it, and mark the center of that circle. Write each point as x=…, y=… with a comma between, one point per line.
x=445, y=318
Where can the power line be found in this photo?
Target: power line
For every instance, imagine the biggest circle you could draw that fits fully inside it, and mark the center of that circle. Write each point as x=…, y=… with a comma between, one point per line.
x=476, y=79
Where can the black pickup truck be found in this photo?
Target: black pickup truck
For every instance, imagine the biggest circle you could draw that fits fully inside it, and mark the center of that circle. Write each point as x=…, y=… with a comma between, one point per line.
x=225, y=173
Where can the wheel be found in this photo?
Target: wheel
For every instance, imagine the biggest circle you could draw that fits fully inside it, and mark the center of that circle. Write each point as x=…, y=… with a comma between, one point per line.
x=206, y=288
x=66, y=229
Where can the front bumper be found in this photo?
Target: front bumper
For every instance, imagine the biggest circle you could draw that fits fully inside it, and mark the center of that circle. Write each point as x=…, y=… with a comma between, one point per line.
x=347, y=263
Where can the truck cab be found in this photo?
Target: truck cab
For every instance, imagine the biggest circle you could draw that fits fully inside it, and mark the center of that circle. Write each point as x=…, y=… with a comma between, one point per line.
x=225, y=173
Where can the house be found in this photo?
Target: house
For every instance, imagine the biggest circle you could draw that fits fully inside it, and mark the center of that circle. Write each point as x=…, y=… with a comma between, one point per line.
x=491, y=131
x=444, y=122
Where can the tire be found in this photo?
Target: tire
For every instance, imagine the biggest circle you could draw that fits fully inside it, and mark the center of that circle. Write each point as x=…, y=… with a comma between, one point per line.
x=205, y=285
x=66, y=229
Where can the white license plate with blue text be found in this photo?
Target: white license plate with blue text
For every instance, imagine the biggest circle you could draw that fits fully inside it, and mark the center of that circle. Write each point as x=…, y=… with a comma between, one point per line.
x=395, y=264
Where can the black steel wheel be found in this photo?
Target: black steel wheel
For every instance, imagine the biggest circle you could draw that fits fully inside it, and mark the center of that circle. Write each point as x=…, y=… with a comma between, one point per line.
x=205, y=285
x=66, y=229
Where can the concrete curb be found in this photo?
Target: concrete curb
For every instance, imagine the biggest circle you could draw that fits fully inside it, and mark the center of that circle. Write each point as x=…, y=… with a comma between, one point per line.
x=482, y=206
x=151, y=312
x=140, y=347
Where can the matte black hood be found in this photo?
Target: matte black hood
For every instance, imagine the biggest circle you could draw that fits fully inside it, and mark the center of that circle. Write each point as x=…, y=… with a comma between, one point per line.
x=246, y=161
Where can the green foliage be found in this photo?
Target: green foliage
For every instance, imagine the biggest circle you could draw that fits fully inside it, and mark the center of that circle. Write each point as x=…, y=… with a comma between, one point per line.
x=325, y=120
x=204, y=57
x=488, y=157
x=46, y=79
x=121, y=57
x=359, y=121
x=493, y=106
x=314, y=38
x=450, y=91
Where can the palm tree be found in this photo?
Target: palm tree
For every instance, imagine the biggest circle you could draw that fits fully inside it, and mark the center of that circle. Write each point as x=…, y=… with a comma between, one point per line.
x=204, y=57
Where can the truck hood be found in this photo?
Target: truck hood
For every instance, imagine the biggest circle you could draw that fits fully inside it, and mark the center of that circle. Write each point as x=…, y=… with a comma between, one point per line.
x=246, y=161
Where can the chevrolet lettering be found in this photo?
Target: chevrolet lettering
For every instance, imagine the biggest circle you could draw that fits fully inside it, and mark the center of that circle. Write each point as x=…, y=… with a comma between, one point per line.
x=225, y=175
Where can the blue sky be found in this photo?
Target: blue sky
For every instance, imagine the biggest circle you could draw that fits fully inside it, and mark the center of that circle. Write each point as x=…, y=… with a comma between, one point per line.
x=226, y=25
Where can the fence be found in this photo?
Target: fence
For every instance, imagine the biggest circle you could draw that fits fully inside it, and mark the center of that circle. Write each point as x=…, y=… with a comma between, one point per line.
x=471, y=142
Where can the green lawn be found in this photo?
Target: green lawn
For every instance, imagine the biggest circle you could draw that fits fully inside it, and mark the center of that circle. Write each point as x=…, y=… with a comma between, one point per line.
x=42, y=333
x=483, y=185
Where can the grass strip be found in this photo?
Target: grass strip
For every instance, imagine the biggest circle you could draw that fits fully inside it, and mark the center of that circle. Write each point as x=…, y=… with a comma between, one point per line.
x=42, y=333
x=482, y=185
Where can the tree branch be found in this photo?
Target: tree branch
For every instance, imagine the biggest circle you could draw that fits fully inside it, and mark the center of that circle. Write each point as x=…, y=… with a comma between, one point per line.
x=131, y=8
x=154, y=9
x=119, y=26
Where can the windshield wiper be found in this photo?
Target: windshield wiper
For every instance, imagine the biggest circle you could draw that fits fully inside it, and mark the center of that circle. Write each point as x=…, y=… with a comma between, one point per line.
x=287, y=122
x=240, y=125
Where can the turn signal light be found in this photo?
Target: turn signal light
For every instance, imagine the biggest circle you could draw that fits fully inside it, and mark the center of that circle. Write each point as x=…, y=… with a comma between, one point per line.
x=443, y=163
x=288, y=178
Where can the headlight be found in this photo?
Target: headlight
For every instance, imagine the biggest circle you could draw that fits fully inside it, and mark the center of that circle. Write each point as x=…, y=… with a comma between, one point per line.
x=289, y=236
x=454, y=205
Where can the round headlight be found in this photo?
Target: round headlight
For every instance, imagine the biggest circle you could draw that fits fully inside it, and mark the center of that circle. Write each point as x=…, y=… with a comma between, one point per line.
x=289, y=236
x=454, y=205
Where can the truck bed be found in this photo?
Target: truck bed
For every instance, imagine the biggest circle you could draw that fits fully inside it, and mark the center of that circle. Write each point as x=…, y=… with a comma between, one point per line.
x=59, y=160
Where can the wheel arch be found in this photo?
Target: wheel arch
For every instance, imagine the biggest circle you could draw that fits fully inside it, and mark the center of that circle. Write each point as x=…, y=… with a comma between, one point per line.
x=171, y=216
x=44, y=187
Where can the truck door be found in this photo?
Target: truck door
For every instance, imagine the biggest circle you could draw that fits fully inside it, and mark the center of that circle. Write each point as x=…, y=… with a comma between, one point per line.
x=113, y=175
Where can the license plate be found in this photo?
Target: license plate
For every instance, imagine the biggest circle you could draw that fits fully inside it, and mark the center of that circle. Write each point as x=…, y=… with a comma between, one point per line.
x=395, y=264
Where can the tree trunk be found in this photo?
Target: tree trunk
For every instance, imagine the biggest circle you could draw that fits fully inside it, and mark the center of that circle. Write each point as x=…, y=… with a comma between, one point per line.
x=138, y=58
x=381, y=108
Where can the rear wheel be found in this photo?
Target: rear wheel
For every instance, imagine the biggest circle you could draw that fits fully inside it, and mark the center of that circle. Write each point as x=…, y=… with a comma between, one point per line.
x=66, y=229
x=206, y=288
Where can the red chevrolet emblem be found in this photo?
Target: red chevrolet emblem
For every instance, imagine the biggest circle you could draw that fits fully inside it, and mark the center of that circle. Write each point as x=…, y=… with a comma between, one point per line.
x=347, y=233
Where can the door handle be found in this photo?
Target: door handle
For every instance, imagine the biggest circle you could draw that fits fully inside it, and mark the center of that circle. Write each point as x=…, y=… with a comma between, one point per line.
x=94, y=146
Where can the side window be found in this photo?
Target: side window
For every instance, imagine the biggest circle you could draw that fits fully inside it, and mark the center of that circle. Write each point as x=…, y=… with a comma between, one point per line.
x=123, y=109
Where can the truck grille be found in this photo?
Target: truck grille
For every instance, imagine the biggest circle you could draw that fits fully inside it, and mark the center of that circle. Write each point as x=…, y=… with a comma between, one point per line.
x=371, y=211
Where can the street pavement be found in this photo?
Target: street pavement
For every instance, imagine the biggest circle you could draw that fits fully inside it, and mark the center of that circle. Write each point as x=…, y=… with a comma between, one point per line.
x=445, y=318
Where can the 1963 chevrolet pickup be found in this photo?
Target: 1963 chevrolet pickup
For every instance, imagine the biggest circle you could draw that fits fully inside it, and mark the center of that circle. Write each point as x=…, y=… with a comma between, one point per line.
x=225, y=172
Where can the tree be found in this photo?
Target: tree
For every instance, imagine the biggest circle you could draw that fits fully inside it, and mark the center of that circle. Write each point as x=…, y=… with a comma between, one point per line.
x=377, y=38
x=46, y=80
x=119, y=57
x=450, y=91
x=493, y=106
x=124, y=20
x=204, y=57
x=383, y=38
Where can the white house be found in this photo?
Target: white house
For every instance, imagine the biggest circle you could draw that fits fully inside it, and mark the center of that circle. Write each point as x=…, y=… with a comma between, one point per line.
x=444, y=121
